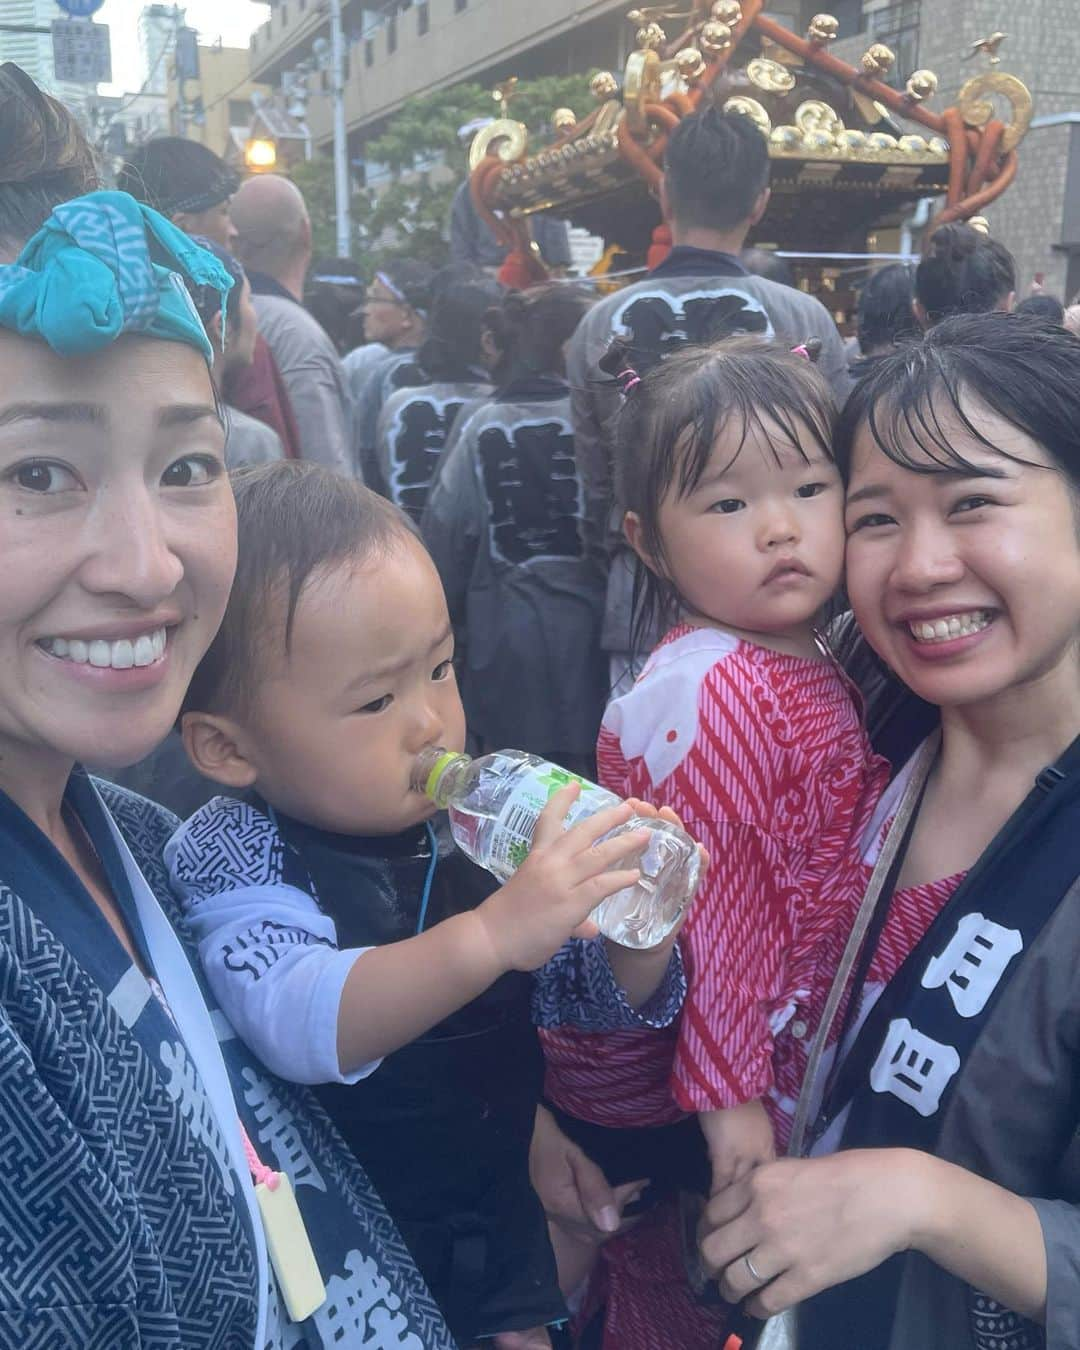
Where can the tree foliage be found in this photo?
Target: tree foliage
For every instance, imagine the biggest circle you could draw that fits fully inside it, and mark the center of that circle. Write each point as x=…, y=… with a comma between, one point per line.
x=408, y=209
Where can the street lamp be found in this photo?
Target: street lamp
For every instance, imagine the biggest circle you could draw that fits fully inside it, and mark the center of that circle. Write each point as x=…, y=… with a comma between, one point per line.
x=260, y=155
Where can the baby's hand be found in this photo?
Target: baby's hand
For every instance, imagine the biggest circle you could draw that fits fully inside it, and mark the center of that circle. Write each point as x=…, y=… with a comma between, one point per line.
x=563, y=879
x=663, y=948
x=739, y=1139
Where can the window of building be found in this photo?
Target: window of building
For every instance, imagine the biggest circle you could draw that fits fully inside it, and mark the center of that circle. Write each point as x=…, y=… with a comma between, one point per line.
x=391, y=35
x=423, y=18
x=459, y=5
x=240, y=112
x=369, y=52
x=284, y=15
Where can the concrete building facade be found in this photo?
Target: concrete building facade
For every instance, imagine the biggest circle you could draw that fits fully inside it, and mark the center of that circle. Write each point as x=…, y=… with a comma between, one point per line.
x=217, y=108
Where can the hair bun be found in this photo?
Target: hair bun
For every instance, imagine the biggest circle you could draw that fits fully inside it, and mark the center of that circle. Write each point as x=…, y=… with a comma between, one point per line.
x=955, y=242
x=38, y=136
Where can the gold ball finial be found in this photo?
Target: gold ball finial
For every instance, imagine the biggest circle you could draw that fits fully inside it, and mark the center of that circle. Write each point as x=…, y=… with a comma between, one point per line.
x=650, y=36
x=822, y=28
x=504, y=92
x=563, y=119
x=980, y=223
x=878, y=60
x=715, y=38
x=922, y=85
x=727, y=11
x=690, y=64
x=603, y=86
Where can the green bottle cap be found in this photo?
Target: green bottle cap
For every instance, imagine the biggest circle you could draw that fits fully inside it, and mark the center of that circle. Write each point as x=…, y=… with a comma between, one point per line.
x=437, y=770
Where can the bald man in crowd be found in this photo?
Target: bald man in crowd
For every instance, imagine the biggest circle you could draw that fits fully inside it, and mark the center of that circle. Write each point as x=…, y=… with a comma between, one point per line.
x=274, y=244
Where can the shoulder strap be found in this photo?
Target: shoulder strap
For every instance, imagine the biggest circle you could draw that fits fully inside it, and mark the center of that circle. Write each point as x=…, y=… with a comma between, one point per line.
x=885, y=871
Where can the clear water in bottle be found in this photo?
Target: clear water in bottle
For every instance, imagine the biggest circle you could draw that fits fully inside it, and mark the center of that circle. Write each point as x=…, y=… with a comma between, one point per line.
x=494, y=803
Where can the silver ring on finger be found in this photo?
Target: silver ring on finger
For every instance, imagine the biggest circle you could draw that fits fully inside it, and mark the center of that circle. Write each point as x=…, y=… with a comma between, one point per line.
x=758, y=1279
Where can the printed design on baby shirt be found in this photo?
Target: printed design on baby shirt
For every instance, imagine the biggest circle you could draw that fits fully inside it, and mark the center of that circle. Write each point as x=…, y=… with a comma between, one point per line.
x=529, y=478
x=259, y=949
x=657, y=323
x=226, y=844
x=415, y=441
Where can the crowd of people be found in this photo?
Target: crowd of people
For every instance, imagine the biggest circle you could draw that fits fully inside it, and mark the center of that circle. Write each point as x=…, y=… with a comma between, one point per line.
x=281, y=1066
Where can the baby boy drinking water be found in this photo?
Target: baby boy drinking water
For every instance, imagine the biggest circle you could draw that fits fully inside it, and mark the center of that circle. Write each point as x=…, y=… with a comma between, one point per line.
x=347, y=940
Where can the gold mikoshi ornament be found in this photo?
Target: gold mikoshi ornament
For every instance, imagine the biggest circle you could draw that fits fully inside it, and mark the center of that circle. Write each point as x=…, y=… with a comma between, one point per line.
x=913, y=145
x=980, y=223
x=715, y=38
x=562, y=119
x=727, y=11
x=650, y=36
x=881, y=140
x=822, y=28
x=786, y=137
x=878, y=60
x=750, y=107
x=850, y=139
x=690, y=63
x=603, y=85
x=922, y=85
x=819, y=139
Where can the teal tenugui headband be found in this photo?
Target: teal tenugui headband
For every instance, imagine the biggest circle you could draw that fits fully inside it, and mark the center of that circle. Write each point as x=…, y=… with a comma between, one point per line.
x=103, y=265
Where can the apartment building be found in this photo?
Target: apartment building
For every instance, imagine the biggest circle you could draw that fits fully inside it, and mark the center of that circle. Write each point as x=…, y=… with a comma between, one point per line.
x=216, y=107
x=402, y=48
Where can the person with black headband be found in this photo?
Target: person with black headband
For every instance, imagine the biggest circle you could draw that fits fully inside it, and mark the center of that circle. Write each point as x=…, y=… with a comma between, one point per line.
x=193, y=188
x=186, y=182
x=394, y=312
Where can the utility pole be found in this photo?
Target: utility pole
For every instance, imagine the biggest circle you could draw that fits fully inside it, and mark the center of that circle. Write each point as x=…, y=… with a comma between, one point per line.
x=341, y=144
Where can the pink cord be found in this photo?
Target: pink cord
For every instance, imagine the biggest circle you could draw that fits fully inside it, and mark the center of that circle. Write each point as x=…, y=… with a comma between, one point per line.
x=801, y=350
x=260, y=1173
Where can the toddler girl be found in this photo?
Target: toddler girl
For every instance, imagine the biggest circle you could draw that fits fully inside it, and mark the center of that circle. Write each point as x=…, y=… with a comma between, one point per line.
x=741, y=722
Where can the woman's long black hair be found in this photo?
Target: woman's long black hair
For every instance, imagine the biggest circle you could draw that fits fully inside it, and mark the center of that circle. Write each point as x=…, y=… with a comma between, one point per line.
x=1016, y=365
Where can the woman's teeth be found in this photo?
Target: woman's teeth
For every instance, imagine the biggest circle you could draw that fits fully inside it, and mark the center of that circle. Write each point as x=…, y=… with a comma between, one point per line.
x=953, y=626
x=119, y=655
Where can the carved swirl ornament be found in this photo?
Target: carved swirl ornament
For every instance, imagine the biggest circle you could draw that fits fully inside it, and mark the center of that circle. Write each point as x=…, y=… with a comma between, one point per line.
x=770, y=76
x=506, y=138
x=975, y=101
x=641, y=85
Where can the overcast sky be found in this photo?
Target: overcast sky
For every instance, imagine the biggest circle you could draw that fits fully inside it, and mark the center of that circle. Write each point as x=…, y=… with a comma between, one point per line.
x=231, y=20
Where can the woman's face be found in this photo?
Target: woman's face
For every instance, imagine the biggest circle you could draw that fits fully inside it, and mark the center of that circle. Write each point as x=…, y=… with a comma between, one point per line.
x=968, y=587
x=117, y=545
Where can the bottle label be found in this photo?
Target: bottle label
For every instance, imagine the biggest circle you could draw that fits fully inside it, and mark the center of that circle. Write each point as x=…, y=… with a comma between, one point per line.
x=512, y=837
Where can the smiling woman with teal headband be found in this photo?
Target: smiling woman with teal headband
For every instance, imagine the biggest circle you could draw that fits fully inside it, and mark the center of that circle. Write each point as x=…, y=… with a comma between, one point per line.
x=135, y=1125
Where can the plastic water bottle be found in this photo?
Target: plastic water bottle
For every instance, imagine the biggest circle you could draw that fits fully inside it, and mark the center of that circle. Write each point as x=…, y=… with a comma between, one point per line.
x=494, y=803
